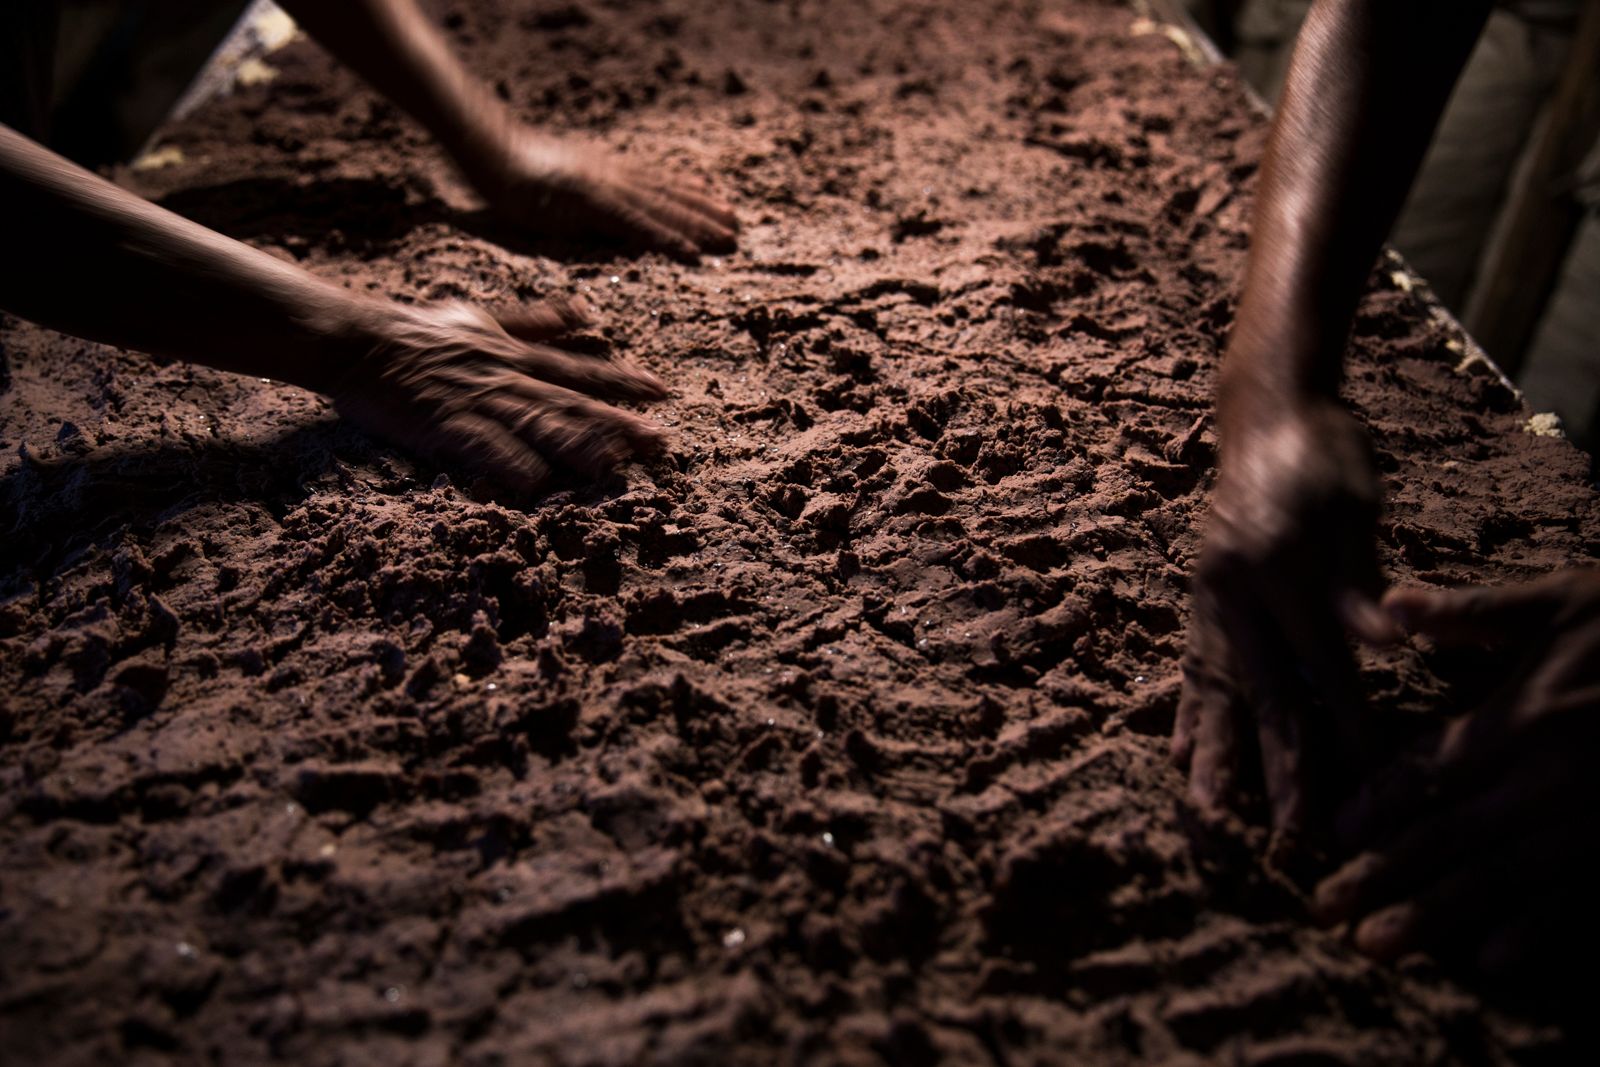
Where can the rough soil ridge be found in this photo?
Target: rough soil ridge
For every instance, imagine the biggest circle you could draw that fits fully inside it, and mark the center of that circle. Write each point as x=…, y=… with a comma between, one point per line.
x=835, y=736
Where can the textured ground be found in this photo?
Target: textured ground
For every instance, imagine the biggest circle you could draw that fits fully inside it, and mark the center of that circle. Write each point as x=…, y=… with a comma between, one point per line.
x=835, y=736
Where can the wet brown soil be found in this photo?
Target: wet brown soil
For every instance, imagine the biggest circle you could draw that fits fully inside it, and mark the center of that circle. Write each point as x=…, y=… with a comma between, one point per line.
x=835, y=736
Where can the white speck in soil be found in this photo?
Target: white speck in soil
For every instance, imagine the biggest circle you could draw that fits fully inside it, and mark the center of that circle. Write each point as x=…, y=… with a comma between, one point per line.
x=392, y=994
x=827, y=838
x=1138, y=678
x=733, y=938
x=186, y=950
x=327, y=850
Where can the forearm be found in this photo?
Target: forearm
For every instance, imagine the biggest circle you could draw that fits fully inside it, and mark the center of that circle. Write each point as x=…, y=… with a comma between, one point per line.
x=400, y=53
x=1366, y=86
x=91, y=259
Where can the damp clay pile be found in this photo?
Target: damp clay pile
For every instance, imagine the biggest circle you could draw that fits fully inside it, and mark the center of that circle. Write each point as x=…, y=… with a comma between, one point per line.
x=836, y=734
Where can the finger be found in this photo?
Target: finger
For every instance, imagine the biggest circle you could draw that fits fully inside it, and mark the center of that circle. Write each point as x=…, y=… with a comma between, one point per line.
x=704, y=231
x=1459, y=908
x=483, y=444
x=1281, y=702
x=1205, y=687
x=1214, y=762
x=577, y=433
x=547, y=319
x=1438, y=842
x=611, y=379
x=566, y=439
x=696, y=200
x=1211, y=735
x=1190, y=704
x=1283, y=758
x=1475, y=613
x=631, y=221
x=1468, y=747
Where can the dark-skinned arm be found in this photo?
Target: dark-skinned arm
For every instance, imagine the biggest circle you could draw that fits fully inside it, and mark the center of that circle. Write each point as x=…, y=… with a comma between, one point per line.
x=540, y=183
x=91, y=259
x=1289, y=561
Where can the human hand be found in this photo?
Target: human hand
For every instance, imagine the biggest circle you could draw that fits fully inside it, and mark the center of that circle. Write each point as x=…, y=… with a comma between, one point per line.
x=1482, y=849
x=545, y=185
x=462, y=386
x=1288, y=563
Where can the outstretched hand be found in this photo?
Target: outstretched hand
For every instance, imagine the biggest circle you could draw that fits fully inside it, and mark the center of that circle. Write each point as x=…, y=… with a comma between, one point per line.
x=1483, y=848
x=1269, y=691
x=544, y=185
x=462, y=386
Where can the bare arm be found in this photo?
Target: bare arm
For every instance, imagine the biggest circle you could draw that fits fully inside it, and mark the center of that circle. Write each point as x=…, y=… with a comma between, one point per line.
x=1364, y=92
x=402, y=55
x=1290, y=561
x=105, y=265
x=541, y=183
x=449, y=381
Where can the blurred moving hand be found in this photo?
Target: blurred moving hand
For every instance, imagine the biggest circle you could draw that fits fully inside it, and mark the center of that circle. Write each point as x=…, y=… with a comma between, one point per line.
x=1269, y=692
x=541, y=184
x=450, y=381
x=455, y=383
x=1484, y=849
x=536, y=182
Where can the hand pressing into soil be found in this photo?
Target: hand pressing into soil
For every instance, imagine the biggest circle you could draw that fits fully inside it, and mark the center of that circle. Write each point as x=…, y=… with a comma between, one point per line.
x=464, y=387
x=1269, y=689
x=450, y=381
x=543, y=185
x=1482, y=850
x=1288, y=564
x=532, y=181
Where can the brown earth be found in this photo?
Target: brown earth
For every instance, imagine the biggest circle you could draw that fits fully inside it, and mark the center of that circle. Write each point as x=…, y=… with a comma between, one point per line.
x=835, y=736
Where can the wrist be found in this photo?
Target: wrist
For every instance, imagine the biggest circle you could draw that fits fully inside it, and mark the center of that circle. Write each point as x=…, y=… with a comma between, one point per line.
x=341, y=331
x=1265, y=382
x=486, y=147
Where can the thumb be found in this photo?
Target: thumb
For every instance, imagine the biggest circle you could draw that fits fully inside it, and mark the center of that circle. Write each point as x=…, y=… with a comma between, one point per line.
x=1473, y=613
x=1365, y=617
x=547, y=319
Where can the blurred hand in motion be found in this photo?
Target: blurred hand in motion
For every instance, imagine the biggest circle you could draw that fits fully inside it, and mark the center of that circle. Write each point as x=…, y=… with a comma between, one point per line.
x=535, y=182
x=462, y=386
x=1269, y=692
x=544, y=185
x=1483, y=850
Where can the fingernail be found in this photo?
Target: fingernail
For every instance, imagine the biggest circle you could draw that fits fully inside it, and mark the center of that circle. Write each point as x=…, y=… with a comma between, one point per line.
x=1335, y=897
x=1384, y=935
x=579, y=312
x=651, y=382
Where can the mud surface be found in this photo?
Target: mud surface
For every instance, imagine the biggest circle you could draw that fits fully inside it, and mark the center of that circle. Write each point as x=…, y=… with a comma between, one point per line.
x=835, y=736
